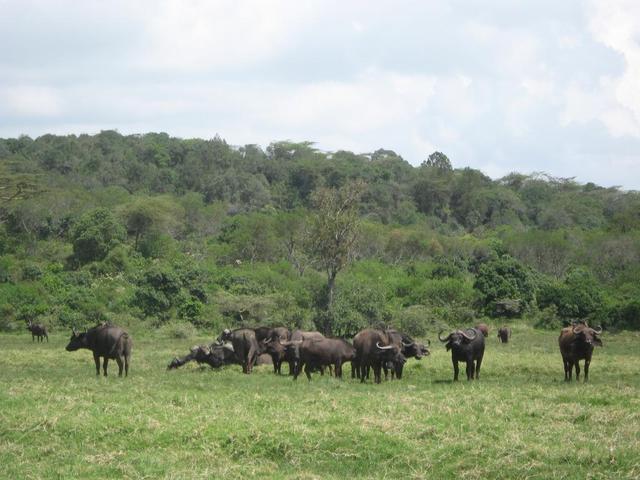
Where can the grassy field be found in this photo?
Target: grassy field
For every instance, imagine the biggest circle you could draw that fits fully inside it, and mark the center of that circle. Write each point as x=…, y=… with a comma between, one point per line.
x=521, y=420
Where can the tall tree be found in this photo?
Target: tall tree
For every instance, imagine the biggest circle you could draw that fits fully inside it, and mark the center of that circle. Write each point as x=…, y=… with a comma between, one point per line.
x=333, y=232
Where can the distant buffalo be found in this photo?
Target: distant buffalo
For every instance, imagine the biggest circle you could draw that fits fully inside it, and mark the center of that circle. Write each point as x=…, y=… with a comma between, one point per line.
x=466, y=346
x=504, y=334
x=37, y=330
x=107, y=341
x=484, y=328
x=576, y=343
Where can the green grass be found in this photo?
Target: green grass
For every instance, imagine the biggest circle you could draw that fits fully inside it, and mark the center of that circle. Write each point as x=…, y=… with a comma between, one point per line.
x=521, y=420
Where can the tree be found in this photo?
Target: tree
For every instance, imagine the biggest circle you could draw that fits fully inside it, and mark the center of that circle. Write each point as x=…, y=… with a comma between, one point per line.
x=333, y=232
x=95, y=234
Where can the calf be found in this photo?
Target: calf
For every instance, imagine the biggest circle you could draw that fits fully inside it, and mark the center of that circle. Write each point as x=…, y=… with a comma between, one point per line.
x=504, y=334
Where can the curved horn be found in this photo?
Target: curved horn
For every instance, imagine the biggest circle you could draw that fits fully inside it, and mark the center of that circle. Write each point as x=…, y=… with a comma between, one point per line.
x=383, y=348
x=443, y=339
x=576, y=328
x=465, y=335
x=598, y=331
x=407, y=345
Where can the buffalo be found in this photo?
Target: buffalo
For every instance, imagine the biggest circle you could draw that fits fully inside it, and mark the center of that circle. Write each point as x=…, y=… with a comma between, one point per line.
x=278, y=351
x=466, y=346
x=484, y=328
x=576, y=343
x=37, y=330
x=410, y=348
x=504, y=334
x=213, y=355
x=245, y=346
x=375, y=348
x=107, y=341
x=317, y=353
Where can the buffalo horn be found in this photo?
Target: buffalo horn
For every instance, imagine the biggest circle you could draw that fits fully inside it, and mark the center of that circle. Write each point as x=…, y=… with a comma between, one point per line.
x=407, y=345
x=383, y=348
x=465, y=335
x=443, y=339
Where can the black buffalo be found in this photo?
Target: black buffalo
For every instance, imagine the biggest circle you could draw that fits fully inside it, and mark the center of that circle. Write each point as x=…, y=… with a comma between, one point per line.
x=410, y=348
x=375, y=348
x=466, y=346
x=576, y=343
x=213, y=355
x=37, y=330
x=245, y=345
x=504, y=334
x=316, y=353
x=276, y=350
x=107, y=341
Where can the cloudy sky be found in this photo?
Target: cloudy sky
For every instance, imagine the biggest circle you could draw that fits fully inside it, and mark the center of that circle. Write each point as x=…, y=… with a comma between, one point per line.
x=552, y=86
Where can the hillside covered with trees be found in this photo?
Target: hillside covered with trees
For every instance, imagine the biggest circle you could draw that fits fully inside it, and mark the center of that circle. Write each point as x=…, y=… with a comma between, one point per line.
x=157, y=231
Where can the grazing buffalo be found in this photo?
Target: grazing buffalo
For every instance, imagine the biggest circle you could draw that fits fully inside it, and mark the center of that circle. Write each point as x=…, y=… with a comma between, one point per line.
x=504, y=334
x=484, y=328
x=107, y=341
x=576, y=343
x=375, y=348
x=37, y=330
x=213, y=355
x=466, y=346
x=320, y=352
x=245, y=346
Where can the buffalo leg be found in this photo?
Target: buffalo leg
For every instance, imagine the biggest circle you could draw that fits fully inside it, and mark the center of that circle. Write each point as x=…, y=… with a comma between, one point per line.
x=126, y=365
x=456, y=370
x=96, y=358
x=587, y=362
x=307, y=371
x=377, y=372
x=338, y=370
x=478, y=363
x=105, y=363
x=577, y=370
x=119, y=362
x=470, y=369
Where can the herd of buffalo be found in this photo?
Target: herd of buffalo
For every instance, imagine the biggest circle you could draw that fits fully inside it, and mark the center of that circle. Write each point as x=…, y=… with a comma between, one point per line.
x=383, y=350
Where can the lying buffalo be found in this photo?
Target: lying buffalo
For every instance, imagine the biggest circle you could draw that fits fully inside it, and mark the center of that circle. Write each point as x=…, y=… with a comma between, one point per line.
x=213, y=355
x=107, y=341
x=375, y=348
x=245, y=346
x=316, y=353
x=576, y=343
x=466, y=346
x=37, y=330
x=504, y=334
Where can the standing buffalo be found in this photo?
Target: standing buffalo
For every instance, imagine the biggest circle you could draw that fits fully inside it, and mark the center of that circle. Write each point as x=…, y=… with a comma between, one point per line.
x=278, y=352
x=107, y=341
x=375, y=348
x=466, y=346
x=504, y=334
x=37, y=330
x=317, y=353
x=484, y=328
x=410, y=348
x=245, y=346
x=576, y=343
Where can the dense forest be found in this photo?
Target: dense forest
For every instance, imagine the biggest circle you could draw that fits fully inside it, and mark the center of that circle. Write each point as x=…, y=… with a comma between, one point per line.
x=176, y=234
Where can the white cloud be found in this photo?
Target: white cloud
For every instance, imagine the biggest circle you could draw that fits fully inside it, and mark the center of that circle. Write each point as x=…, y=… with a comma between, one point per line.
x=32, y=101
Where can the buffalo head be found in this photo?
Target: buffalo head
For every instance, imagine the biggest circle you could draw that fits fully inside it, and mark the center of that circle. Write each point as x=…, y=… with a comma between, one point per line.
x=76, y=341
x=587, y=334
x=458, y=337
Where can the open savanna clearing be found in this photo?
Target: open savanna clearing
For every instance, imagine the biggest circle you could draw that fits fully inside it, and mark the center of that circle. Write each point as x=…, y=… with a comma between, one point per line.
x=521, y=420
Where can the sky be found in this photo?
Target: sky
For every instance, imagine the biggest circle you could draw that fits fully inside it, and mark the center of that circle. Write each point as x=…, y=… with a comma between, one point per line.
x=502, y=86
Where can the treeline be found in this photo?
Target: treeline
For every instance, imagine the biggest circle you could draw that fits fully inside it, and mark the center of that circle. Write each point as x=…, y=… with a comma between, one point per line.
x=172, y=232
